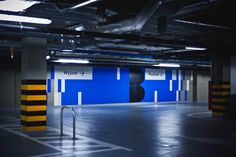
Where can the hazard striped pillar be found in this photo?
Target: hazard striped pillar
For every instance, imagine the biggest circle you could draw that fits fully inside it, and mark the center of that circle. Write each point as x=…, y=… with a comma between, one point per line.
x=33, y=84
x=33, y=105
x=220, y=98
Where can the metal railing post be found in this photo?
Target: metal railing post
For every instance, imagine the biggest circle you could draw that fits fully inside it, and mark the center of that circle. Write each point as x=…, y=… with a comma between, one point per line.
x=74, y=118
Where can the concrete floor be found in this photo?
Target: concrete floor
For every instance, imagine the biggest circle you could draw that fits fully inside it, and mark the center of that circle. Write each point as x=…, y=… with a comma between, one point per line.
x=166, y=130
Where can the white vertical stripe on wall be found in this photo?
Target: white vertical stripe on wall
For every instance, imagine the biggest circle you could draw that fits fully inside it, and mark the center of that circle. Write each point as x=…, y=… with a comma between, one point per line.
x=62, y=85
x=118, y=73
x=177, y=95
x=79, y=98
x=174, y=74
x=191, y=76
x=155, y=96
x=179, y=80
x=56, y=85
x=179, y=85
x=180, y=74
x=187, y=85
x=57, y=99
x=171, y=85
x=52, y=86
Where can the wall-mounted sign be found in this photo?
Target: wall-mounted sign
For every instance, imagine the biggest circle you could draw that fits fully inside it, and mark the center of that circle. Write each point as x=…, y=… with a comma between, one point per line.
x=74, y=72
x=155, y=74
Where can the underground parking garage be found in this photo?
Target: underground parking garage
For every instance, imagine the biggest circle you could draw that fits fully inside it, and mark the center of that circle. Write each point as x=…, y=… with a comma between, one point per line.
x=102, y=78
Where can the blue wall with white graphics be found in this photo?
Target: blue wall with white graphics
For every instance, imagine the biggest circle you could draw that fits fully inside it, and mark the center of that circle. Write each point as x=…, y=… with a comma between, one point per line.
x=107, y=85
x=84, y=85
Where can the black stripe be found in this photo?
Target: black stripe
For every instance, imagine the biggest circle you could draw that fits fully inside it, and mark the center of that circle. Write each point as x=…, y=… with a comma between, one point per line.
x=33, y=82
x=221, y=110
x=37, y=123
x=33, y=103
x=221, y=97
x=220, y=104
x=220, y=83
x=227, y=102
x=33, y=113
x=220, y=90
x=33, y=92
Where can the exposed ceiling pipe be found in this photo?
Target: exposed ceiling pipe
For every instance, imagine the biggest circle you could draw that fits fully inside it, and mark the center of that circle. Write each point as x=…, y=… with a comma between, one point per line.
x=135, y=24
x=92, y=35
x=191, y=10
x=81, y=4
x=204, y=24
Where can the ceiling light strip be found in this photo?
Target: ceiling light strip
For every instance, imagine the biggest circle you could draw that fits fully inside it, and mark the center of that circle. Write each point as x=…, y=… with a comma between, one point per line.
x=26, y=19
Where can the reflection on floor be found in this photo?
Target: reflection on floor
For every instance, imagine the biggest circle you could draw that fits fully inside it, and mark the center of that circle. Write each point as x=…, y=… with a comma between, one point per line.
x=123, y=131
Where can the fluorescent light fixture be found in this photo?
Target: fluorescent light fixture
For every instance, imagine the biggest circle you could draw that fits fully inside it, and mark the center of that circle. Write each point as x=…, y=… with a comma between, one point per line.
x=67, y=50
x=77, y=61
x=79, y=28
x=16, y=5
x=48, y=57
x=26, y=19
x=83, y=4
x=171, y=65
x=195, y=48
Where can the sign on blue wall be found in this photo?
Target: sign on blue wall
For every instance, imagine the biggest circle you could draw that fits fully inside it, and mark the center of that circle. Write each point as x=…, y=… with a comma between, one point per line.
x=76, y=85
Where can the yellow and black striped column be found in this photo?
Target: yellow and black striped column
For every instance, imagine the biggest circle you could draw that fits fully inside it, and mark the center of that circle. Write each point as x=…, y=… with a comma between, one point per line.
x=33, y=105
x=220, y=98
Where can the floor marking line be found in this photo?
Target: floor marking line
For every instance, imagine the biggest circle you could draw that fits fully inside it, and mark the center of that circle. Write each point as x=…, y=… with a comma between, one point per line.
x=79, y=146
x=30, y=138
x=83, y=142
x=86, y=152
x=69, y=141
x=212, y=140
x=46, y=155
x=100, y=142
x=54, y=137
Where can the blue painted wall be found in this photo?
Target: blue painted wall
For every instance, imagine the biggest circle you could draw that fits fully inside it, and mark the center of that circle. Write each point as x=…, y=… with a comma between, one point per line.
x=105, y=88
x=163, y=88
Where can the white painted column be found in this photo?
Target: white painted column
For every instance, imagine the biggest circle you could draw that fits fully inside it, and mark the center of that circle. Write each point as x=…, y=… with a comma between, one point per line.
x=79, y=98
x=155, y=96
x=118, y=74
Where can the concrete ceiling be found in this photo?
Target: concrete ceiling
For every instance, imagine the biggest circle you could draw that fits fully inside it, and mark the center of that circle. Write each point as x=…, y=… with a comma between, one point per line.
x=129, y=30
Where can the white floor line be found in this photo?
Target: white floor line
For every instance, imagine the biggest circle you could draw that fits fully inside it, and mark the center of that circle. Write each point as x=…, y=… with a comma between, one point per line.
x=69, y=154
x=64, y=140
x=86, y=152
x=47, y=155
x=200, y=115
x=53, y=137
x=68, y=141
x=97, y=141
x=56, y=133
x=80, y=146
x=30, y=138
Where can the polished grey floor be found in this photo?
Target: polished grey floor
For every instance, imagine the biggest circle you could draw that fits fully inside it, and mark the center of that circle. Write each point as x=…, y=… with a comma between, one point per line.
x=147, y=130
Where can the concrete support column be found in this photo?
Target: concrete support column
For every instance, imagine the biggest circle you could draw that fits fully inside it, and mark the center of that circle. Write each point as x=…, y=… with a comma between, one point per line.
x=33, y=84
x=220, y=87
x=233, y=86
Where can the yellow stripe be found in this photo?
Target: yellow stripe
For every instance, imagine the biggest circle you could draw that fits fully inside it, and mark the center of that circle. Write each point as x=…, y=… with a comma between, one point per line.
x=33, y=87
x=33, y=118
x=34, y=128
x=33, y=97
x=221, y=86
x=217, y=107
x=217, y=114
x=220, y=100
x=34, y=108
x=220, y=93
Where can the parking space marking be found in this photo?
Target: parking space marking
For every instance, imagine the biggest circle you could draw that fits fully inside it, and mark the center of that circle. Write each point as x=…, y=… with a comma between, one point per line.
x=201, y=115
x=63, y=144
